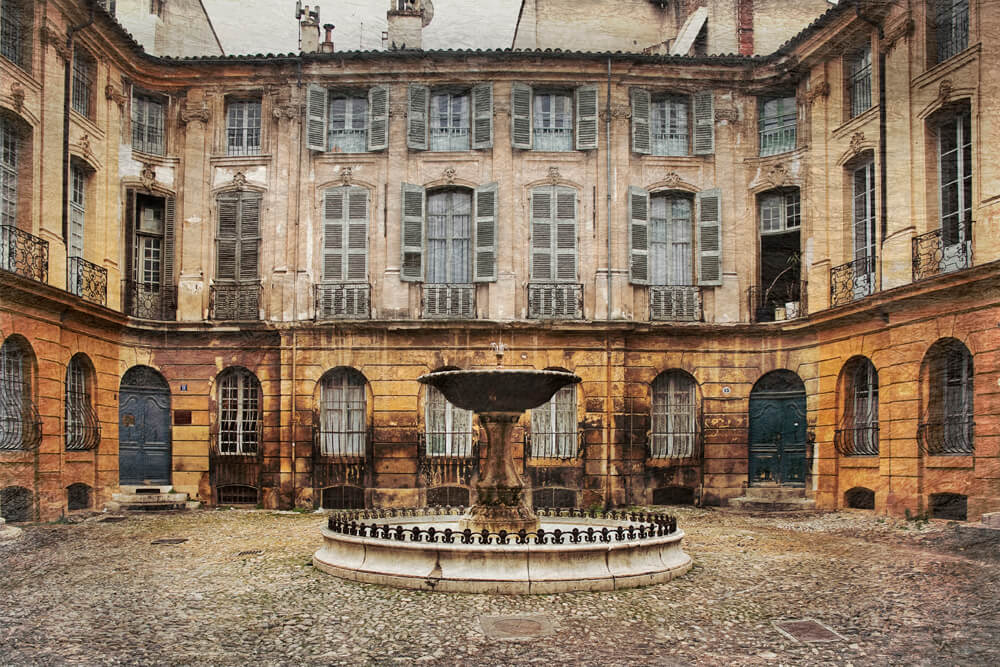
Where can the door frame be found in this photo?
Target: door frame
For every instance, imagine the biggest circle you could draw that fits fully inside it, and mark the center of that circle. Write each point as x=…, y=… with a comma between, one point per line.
x=785, y=395
x=148, y=382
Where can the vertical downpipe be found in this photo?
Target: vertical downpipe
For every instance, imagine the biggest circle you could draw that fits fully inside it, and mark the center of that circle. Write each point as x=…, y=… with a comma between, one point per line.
x=295, y=284
x=609, y=400
x=607, y=149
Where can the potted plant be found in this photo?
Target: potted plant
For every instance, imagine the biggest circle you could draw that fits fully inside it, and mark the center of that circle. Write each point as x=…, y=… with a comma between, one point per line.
x=780, y=312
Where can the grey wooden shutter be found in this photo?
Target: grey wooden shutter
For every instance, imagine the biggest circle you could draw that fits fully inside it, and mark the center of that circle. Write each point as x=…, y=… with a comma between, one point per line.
x=227, y=238
x=357, y=235
x=169, y=244
x=640, y=121
x=565, y=249
x=417, y=105
x=486, y=233
x=249, y=256
x=520, y=116
x=710, y=237
x=378, y=118
x=482, y=115
x=586, y=118
x=638, y=235
x=316, y=118
x=412, y=241
x=541, y=234
x=333, y=234
x=704, y=123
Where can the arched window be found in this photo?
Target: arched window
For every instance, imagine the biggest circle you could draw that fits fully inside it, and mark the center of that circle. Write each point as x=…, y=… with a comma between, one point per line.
x=20, y=427
x=239, y=412
x=946, y=427
x=448, y=429
x=675, y=416
x=82, y=428
x=857, y=434
x=342, y=414
x=553, y=426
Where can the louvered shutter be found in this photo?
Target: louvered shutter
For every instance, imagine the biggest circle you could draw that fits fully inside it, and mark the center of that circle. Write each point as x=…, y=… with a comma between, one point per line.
x=541, y=234
x=357, y=235
x=565, y=234
x=316, y=118
x=520, y=116
x=412, y=241
x=482, y=115
x=710, y=237
x=333, y=234
x=378, y=118
x=704, y=123
x=169, y=245
x=638, y=235
x=486, y=233
x=227, y=238
x=586, y=118
x=249, y=257
x=417, y=105
x=640, y=121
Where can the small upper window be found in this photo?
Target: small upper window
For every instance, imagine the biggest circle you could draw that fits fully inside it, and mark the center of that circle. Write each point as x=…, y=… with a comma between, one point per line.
x=859, y=81
x=83, y=83
x=15, y=31
x=449, y=121
x=243, y=127
x=951, y=27
x=777, y=125
x=553, y=121
x=780, y=212
x=348, y=123
x=147, y=124
x=668, y=120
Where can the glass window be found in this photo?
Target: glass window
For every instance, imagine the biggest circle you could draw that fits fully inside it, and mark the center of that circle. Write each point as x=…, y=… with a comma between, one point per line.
x=243, y=127
x=239, y=412
x=553, y=121
x=449, y=237
x=449, y=429
x=348, y=123
x=449, y=122
x=554, y=426
x=777, y=125
x=952, y=30
x=8, y=172
x=82, y=430
x=14, y=31
x=670, y=241
x=83, y=83
x=342, y=416
x=13, y=390
x=147, y=124
x=780, y=212
x=859, y=82
x=947, y=425
x=955, y=155
x=668, y=125
x=674, y=416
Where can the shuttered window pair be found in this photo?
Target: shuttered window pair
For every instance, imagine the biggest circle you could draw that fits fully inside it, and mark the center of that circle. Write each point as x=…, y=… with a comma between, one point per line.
x=345, y=235
x=661, y=123
x=237, y=244
x=553, y=234
x=347, y=121
x=440, y=240
x=449, y=120
x=553, y=120
x=665, y=239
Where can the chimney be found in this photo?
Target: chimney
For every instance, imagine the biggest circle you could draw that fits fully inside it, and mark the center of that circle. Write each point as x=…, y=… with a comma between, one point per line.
x=309, y=31
x=327, y=45
x=406, y=21
x=744, y=28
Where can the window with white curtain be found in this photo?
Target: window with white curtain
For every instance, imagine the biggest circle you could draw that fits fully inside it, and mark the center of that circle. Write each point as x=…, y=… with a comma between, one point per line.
x=670, y=240
x=554, y=426
x=448, y=428
x=342, y=415
x=449, y=237
x=674, y=416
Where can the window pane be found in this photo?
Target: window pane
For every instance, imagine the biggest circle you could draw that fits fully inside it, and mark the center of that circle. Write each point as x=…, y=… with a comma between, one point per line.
x=348, y=124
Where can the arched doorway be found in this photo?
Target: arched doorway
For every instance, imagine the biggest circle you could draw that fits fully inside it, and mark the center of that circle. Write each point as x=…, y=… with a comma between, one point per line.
x=778, y=430
x=143, y=428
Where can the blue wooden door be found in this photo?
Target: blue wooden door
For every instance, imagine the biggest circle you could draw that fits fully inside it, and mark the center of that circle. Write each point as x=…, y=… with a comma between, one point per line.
x=143, y=436
x=778, y=439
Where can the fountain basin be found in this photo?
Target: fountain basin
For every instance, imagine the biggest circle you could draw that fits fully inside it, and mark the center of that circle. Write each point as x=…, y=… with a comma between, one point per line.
x=498, y=389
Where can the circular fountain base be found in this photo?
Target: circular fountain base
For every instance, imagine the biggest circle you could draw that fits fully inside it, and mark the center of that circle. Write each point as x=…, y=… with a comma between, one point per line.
x=504, y=568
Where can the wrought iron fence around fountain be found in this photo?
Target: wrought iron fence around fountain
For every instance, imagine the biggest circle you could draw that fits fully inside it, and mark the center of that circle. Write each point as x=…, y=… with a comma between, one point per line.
x=934, y=254
x=852, y=281
x=87, y=280
x=24, y=254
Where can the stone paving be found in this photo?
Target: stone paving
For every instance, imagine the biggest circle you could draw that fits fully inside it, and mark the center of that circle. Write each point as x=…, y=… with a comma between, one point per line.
x=241, y=589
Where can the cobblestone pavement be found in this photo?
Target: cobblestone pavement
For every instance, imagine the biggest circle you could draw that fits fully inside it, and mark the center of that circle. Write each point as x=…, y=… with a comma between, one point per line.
x=241, y=589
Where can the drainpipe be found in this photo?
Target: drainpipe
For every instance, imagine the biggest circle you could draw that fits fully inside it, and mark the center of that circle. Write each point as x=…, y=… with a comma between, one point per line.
x=295, y=284
x=67, y=97
x=607, y=134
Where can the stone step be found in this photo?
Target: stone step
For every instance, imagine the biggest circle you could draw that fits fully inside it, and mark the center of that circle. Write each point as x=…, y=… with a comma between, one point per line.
x=750, y=504
x=147, y=501
x=775, y=493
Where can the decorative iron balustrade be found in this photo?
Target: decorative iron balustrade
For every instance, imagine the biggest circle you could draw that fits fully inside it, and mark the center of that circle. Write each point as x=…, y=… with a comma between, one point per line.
x=87, y=280
x=343, y=300
x=455, y=300
x=235, y=302
x=857, y=440
x=933, y=255
x=948, y=437
x=149, y=301
x=340, y=457
x=456, y=465
x=83, y=430
x=555, y=301
x=766, y=307
x=20, y=425
x=852, y=281
x=24, y=254
x=678, y=303
x=565, y=446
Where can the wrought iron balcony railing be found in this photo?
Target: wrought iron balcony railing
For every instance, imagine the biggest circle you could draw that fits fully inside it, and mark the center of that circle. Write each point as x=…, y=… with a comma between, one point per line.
x=675, y=303
x=934, y=253
x=24, y=254
x=235, y=302
x=857, y=440
x=149, y=301
x=555, y=301
x=852, y=281
x=946, y=437
x=455, y=300
x=343, y=301
x=769, y=307
x=87, y=280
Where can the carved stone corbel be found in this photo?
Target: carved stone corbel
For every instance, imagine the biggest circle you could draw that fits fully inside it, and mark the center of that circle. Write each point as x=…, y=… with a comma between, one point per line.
x=672, y=179
x=239, y=180
x=449, y=174
x=857, y=142
x=554, y=175
x=111, y=94
x=944, y=90
x=54, y=38
x=195, y=114
x=397, y=111
x=147, y=176
x=777, y=175
x=346, y=176
x=821, y=89
x=17, y=96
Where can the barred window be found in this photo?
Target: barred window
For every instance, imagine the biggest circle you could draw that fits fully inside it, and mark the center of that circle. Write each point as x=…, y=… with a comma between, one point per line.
x=946, y=427
x=9, y=139
x=857, y=434
x=952, y=27
x=243, y=127
x=554, y=426
x=15, y=31
x=669, y=128
x=13, y=392
x=674, y=416
x=83, y=83
x=82, y=428
x=342, y=417
x=239, y=412
x=448, y=428
x=859, y=82
x=147, y=124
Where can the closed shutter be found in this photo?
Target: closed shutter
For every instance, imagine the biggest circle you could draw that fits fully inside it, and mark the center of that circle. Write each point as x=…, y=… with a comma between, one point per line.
x=417, y=105
x=565, y=234
x=710, y=237
x=249, y=256
x=586, y=118
x=638, y=235
x=169, y=245
x=704, y=123
x=357, y=235
x=316, y=118
x=640, y=121
x=482, y=115
x=378, y=118
x=486, y=233
x=412, y=241
x=333, y=235
x=520, y=116
x=541, y=235
x=227, y=239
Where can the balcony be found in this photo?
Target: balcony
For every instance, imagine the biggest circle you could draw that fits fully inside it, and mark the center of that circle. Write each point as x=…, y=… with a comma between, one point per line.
x=675, y=303
x=149, y=301
x=87, y=280
x=343, y=301
x=556, y=301
x=770, y=307
x=852, y=281
x=235, y=302
x=449, y=301
x=24, y=254
x=934, y=253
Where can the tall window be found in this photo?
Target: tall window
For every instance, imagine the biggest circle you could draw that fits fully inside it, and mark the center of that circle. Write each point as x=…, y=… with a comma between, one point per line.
x=554, y=426
x=348, y=123
x=947, y=424
x=780, y=211
x=82, y=430
x=239, y=412
x=238, y=240
x=864, y=229
x=670, y=249
x=449, y=429
x=83, y=83
x=149, y=243
x=777, y=125
x=77, y=209
x=15, y=31
x=668, y=121
x=859, y=81
x=8, y=172
x=449, y=237
x=342, y=415
x=553, y=234
x=955, y=155
x=243, y=127
x=345, y=235
x=857, y=434
x=675, y=428
x=449, y=121
x=14, y=390
x=553, y=121
x=951, y=19
x=147, y=124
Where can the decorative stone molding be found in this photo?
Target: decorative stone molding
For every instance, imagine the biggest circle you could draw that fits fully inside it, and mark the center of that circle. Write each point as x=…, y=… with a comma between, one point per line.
x=346, y=176
x=111, y=94
x=554, y=175
x=901, y=28
x=195, y=114
x=618, y=112
x=288, y=111
x=147, y=176
x=857, y=142
x=17, y=96
x=449, y=174
x=821, y=89
x=84, y=144
x=397, y=110
x=728, y=114
x=777, y=175
x=501, y=108
x=239, y=180
x=672, y=179
x=944, y=90
x=57, y=40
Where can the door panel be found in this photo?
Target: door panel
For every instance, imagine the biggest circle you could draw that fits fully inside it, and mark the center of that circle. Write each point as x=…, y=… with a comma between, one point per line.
x=777, y=440
x=144, y=437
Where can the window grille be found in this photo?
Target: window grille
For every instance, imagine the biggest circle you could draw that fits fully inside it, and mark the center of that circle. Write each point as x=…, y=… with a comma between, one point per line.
x=553, y=121
x=8, y=172
x=243, y=127
x=859, y=82
x=449, y=127
x=83, y=83
x=348, y=123
x=669, y=130
x=78, y=497
x=147, y=124
x=448, y=429
x=343, y=417
x=777, y=125
x=952, y=32
x=674, y=417
x=554, y=427
x=858, y=431
x=947, y=427
x=20, y=426
x=239, y=413
x=13, y=32
x=82, y=428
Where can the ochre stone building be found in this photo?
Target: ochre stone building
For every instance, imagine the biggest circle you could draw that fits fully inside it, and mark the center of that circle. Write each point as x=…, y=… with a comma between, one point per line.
x=222, y=275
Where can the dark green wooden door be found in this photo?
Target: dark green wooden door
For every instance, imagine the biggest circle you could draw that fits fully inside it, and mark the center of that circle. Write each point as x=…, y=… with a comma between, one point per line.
x=143, y=428
x=778, y=438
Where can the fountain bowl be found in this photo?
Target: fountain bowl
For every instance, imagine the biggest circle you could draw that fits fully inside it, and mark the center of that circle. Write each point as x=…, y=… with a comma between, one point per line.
x=498, y=389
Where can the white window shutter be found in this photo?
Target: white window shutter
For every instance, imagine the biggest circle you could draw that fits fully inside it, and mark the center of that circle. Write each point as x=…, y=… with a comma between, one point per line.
x=316, y=118
x=541, y=234
x=704, y=123
x=357, y=235
x=333, y=235
x=482, y=116
x=486, y=233
x=520, y=116
x=586, y=118
x=412, y=241
x=417, y=107
x=638, y=235
x=710, y=237
x=565, y=222
x=378, y=118
x=640, y=121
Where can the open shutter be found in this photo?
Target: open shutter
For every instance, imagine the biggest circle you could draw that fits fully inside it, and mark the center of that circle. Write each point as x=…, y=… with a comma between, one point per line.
x=520, y=116
x=638, y=235
x=565, y=234
x=131, y=251
x=482, y=115
x=710, y=237
x=704, y=123
x=640, y=121
x=486, y=233
x=169, y=244
x=541, y=234
x=586, y=118
x=226, y=238
x=378, y=118
x=333, y=235
x=357, y=235
x=249, y=238
x=417, y=105
x=316, y=118
x=412, y=242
